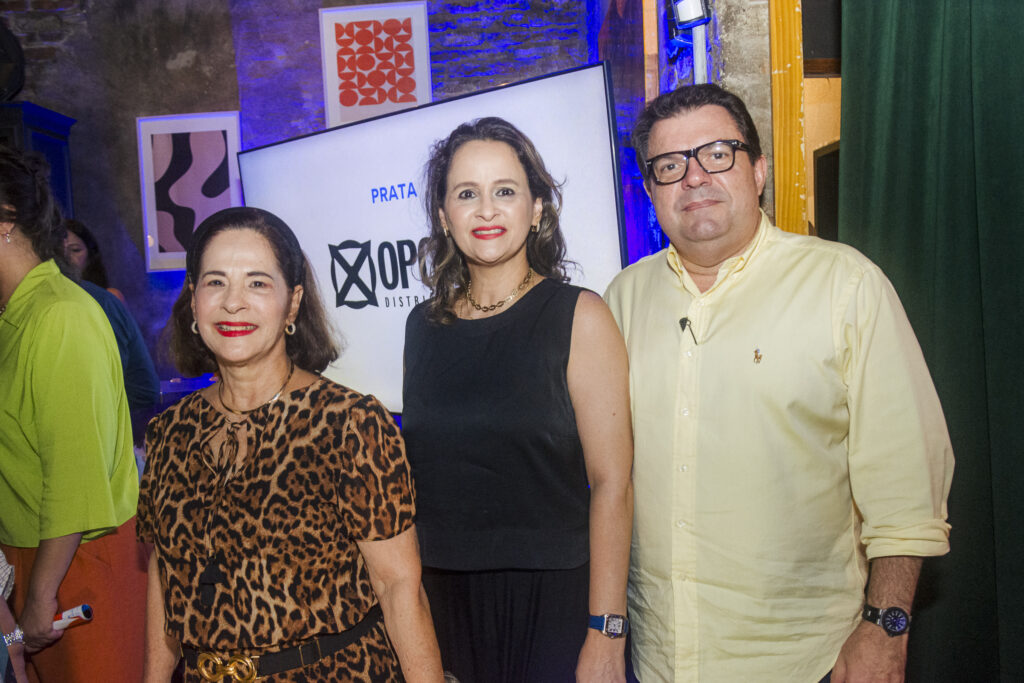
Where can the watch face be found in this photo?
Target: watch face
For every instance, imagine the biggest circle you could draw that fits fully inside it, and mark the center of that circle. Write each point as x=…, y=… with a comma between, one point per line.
x=613, y=625
x=894, y=620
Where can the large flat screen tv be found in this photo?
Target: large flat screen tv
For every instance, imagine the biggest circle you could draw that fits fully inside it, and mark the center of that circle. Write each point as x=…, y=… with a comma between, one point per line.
x=354, y=196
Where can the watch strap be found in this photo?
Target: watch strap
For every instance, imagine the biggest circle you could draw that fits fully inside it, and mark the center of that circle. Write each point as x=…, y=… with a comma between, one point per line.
x=611, y=625
x=876, y=615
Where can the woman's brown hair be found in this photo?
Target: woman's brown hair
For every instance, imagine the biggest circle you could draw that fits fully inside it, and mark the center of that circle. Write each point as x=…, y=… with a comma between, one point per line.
x=27, y=202
x=313, y=346
x=441, y=264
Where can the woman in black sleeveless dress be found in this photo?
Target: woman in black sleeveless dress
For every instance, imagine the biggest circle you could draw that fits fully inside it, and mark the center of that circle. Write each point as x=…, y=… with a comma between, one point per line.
x=516, y=420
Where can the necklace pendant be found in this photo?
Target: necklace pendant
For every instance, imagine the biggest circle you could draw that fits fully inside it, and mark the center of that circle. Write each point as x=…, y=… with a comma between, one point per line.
x=220, y=393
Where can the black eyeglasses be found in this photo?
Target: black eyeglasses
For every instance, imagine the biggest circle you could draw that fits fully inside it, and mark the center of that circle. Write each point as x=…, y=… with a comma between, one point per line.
x=714, y=157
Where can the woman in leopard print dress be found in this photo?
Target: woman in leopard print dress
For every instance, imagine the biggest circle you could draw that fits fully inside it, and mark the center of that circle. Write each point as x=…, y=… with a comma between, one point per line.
x=283, y=528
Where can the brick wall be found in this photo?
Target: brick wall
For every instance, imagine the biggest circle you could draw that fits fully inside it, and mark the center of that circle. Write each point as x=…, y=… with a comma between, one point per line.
x=474, y=44
x=478, y=44
x=43, y=27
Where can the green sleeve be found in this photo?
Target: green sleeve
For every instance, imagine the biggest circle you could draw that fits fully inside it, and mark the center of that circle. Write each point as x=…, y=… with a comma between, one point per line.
x=90, y=482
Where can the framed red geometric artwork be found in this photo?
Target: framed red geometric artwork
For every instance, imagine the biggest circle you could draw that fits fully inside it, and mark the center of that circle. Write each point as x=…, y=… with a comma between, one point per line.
x=376, y=60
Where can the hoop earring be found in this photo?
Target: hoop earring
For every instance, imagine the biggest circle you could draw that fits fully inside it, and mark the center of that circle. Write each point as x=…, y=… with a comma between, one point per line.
x=289, y=329
x=443, y=227
x=195, y=327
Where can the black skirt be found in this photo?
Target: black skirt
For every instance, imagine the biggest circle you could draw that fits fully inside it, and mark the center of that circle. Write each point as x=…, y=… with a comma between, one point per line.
x=510, y=626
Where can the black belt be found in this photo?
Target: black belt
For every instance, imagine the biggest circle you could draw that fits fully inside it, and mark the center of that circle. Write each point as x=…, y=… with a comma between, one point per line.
x=239, y=667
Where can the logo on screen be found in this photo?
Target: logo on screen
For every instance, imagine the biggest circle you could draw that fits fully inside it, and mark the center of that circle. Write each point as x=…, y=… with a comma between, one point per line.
x=355, y=267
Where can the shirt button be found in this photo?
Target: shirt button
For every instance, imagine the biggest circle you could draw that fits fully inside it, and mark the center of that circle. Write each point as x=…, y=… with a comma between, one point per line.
x=689, y=354
x=680, y=524
x=684, y=412
x=683, y=468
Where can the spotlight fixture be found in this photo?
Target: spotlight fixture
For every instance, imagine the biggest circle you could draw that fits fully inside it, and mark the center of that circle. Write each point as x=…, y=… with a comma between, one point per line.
x=687, y=14
x=683, y=17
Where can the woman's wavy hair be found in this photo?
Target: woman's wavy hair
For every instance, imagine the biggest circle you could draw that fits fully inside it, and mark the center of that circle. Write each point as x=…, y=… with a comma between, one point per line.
x=27, y=201
x=313, y=346
x=442, y=266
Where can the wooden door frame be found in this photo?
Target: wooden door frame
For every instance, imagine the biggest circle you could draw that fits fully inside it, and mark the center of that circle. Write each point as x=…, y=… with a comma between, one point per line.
x=787, y=81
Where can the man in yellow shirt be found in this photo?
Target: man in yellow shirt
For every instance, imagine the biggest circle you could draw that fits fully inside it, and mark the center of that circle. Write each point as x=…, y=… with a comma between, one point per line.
x=788, y=438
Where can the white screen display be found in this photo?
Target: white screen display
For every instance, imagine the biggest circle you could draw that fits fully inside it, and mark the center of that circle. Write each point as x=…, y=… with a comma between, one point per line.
x=354, y=197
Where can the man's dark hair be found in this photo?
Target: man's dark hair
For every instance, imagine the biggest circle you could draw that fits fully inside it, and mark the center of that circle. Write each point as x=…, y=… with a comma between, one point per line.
x=685, y=99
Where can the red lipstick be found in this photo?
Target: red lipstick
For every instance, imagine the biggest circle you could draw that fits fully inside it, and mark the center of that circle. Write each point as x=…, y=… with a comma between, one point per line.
x=232, y=329
x=489, y=232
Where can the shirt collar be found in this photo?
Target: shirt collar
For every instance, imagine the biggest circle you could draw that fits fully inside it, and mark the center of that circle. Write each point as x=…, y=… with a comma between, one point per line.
x=16, y=306
x=731, y=265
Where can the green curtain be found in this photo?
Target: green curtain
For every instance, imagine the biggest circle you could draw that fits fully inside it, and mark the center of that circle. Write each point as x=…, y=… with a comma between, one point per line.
x=932, y=189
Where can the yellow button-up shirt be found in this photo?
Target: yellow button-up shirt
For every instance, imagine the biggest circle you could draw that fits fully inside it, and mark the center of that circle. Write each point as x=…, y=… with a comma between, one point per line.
x=786, y=432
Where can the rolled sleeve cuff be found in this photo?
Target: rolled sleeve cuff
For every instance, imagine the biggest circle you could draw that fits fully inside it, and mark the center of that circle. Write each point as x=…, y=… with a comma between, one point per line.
x=928, y=539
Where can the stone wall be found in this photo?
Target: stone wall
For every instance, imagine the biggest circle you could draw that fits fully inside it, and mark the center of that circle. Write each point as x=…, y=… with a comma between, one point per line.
x=104, y=63
x=742, y=61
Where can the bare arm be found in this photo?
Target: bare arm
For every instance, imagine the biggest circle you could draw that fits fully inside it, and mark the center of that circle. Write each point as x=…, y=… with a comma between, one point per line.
x=394, y=566
x=52, y=561
x=17, y=650
x=599, y=388
x=869, y=654
x=161, y=651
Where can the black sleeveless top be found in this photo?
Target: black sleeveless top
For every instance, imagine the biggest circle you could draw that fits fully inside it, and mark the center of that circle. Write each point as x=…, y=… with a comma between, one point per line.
x=491, y=435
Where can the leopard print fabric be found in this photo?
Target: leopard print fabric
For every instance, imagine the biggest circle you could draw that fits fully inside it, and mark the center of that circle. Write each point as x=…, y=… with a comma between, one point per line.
x=258, y=555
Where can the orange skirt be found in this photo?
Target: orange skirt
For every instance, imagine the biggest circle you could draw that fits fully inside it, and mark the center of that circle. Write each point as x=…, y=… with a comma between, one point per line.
x=109, y=574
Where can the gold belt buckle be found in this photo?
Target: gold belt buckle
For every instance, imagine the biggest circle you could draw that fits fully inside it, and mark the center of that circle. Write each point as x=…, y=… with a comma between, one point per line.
x=241, y=668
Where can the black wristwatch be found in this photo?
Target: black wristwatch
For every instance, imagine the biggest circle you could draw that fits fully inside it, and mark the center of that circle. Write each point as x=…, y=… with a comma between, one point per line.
x=612, y=625
x=894, y=620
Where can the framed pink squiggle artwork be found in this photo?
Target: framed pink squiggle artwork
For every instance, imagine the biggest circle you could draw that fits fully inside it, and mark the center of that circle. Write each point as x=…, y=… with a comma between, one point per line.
x=188, y=169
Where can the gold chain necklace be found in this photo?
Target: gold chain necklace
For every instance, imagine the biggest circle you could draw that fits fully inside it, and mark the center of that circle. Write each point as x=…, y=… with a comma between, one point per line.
x=220, y=393
x=507, y=300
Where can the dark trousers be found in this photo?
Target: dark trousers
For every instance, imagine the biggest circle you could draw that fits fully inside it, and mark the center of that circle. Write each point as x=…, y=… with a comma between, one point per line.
x=509, y=626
